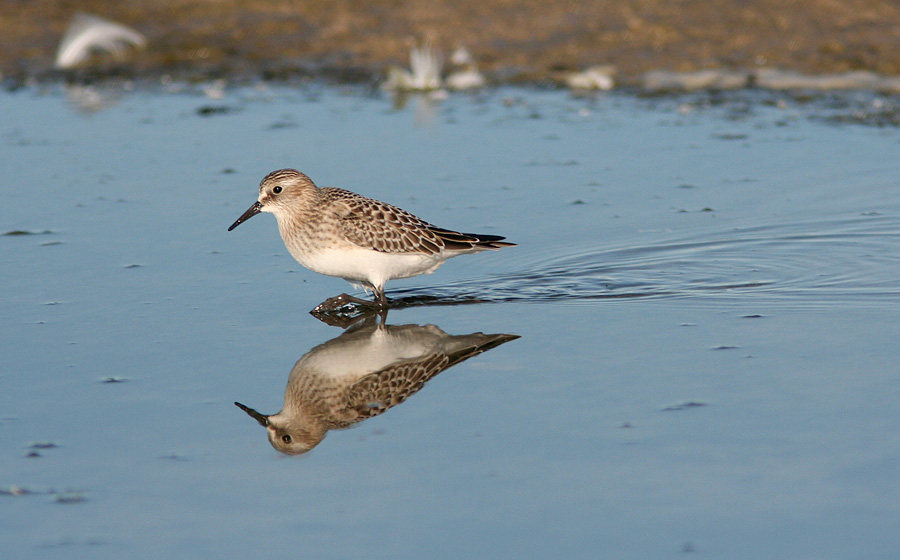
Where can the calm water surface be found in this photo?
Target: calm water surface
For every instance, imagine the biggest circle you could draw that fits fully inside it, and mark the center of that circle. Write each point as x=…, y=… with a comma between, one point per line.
x=707, y=297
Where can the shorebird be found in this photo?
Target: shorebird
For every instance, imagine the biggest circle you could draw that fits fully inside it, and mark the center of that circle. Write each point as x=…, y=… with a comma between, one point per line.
x=361, y=374
x=366, y=242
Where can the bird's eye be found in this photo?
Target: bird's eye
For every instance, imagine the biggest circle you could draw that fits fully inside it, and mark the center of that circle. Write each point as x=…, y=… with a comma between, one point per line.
x=285, y=438
x=277, y=190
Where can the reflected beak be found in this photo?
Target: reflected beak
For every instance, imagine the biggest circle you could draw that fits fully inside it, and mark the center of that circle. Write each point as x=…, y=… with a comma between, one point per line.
x=261, y=418
x=252, y=211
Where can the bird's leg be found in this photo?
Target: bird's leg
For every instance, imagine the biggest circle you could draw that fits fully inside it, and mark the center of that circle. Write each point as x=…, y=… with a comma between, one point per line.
x=381, y=302
x=380, y=299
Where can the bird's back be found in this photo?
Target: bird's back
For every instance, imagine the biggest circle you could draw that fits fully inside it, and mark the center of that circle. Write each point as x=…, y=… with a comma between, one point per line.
x=379, y=226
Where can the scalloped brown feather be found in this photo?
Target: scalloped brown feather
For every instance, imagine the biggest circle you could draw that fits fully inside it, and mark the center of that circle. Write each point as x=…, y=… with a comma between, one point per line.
x=376, y=225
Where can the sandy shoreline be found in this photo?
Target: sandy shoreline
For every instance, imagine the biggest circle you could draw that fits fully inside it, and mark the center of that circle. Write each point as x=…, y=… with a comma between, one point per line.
x=517, y=41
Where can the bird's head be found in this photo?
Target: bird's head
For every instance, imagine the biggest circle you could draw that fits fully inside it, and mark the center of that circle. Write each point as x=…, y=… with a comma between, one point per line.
x=279, y=192
x=284, y=435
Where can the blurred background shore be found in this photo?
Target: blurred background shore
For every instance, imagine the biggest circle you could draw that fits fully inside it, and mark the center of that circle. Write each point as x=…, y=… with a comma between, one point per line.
x=513, y=41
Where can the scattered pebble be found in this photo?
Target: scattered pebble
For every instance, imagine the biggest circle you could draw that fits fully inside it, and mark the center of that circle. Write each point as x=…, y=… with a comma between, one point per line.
x=684, y=405
x=14, y=490
x=209, y=110
x=17, y=232
x=730, y=136
x=60, y=542
x=174, y=457
x=70, y=498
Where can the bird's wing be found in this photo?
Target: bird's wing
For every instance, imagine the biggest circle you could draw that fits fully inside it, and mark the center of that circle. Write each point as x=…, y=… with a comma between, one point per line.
x=383, y=389
x=379, y=226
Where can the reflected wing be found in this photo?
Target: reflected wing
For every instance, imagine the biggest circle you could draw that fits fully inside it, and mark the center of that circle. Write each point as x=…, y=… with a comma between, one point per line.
x=379, y=391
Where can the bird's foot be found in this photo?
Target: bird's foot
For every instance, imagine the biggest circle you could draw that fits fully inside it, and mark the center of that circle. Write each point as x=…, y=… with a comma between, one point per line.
x=343, y=301
x=345, y=310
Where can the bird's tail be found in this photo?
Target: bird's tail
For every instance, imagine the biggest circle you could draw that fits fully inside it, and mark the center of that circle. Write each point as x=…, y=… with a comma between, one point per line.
x=456, y=241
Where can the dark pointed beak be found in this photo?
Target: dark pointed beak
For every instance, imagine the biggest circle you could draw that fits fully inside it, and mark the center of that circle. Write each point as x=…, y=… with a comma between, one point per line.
x=252, y=211
x=261, y=418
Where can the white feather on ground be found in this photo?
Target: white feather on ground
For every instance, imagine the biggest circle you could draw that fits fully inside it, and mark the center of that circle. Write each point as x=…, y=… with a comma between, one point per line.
x=88, y=33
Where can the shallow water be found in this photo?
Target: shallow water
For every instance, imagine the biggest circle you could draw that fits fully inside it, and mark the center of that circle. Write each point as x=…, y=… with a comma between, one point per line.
x=707, y=297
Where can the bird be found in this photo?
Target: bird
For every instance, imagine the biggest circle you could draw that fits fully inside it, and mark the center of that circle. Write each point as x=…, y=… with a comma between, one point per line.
x=425, y=63
x=360, y=374
x=339, y=233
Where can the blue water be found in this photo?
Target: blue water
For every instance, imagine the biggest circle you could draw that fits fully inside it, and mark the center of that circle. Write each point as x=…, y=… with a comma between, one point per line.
x=707, y=297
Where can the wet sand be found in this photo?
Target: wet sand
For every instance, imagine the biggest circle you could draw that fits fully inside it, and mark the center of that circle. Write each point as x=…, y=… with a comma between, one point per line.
x=514, y=41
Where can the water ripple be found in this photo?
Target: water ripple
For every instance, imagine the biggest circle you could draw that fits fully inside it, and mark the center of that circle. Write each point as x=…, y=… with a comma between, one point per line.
x=806, y=263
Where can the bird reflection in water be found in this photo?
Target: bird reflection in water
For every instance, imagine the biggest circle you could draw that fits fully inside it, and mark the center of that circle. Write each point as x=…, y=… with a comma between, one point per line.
x=360, y=374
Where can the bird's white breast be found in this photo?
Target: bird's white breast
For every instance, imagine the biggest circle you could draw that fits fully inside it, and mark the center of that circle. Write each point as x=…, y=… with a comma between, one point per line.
x=376, y=268
x=353, y=358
